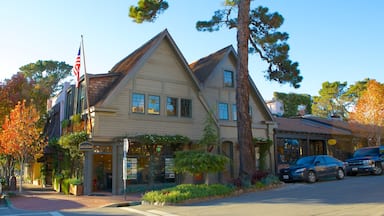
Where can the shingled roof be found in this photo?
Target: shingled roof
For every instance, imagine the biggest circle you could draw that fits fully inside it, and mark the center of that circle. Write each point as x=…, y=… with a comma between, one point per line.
x=305, y=125
x=203, y=67
x=99, y=86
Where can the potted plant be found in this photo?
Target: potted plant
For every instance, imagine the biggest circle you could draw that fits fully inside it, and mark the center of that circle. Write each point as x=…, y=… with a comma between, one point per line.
x=57, y=182
x=75, y=186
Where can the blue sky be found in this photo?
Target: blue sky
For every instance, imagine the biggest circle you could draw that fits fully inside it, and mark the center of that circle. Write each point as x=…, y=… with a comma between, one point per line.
x=332, y=40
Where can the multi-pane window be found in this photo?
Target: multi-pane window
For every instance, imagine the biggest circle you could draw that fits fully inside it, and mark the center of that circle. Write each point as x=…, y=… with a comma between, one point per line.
x=223, y=111
x=69, y=104
x=81, y=103
x=234, y=112
x=153, y=105
x=138, y=101
x=185, y=107
x=171, y=106
x=228, y=79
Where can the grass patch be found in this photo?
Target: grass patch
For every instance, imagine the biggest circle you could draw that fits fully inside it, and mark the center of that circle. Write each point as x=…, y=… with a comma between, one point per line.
x=184, y=192
x=191, y=192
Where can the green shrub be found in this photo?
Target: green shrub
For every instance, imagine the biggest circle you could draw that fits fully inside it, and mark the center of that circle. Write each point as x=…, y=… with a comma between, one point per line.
x=65, y=186
x=185, y=192
x=259, y=184
x=75, y=181
x=2, y=180
x=270, y=179
x=144, y=188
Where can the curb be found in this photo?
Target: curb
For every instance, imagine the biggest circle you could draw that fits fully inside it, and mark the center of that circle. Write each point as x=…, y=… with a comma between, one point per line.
x=123, y=204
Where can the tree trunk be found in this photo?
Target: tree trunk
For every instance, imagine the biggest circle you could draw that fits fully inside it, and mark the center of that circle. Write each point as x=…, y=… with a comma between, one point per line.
x=21, y=175
x=244, y=131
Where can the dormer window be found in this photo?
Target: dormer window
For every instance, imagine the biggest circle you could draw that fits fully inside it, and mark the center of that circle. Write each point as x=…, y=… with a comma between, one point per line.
x=228, y=79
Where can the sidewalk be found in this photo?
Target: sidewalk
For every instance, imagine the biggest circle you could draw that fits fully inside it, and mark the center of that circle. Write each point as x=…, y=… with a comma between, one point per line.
x=46, y=199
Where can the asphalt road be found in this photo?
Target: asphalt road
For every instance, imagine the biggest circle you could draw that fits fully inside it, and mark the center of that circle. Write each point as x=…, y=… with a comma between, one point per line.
x=360, y=196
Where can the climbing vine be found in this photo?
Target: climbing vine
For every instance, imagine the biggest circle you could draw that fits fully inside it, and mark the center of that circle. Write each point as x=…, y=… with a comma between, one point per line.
x=264, y=145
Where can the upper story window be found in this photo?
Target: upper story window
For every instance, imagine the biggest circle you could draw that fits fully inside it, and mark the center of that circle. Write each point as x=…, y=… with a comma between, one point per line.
x=185, y=107
x=69, y=104
x=153, y=105
x=223, y=111
x=81, y=103
x=228, y=79
x=138, y=101
x=171, y=106
x=234, y=112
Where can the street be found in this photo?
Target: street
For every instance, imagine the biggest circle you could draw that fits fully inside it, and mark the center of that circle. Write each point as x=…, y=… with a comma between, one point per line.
x=360, y=195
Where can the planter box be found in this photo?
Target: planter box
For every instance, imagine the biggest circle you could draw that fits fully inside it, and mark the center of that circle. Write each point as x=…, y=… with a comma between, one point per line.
x=76, y=190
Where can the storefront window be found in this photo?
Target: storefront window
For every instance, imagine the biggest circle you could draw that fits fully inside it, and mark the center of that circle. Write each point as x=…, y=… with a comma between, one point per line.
x=288, y=150
x=157, y=160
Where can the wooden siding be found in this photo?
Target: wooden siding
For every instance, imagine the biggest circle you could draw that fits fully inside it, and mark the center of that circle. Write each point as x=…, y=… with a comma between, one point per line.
x=162, y=75
x=215, y=92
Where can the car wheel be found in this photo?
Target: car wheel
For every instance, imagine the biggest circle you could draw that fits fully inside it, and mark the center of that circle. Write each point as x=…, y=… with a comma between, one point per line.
x=378, y=170
x=311, y=178
x=340, y=174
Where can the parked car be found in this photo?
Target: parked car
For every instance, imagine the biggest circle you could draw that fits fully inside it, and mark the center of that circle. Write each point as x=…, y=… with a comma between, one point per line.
x=366, y=160
x=313, y=168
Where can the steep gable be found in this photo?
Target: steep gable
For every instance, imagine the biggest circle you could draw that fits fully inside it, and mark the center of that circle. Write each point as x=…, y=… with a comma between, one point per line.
x=206, y=66
x=151, y=91
x=203, y=67
x=130, y=65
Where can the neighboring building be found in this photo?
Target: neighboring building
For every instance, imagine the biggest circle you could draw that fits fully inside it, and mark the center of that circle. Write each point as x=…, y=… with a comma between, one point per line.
x=309, y=135
x=53, y=129
x=154, y=91
x=276, y=107
x=302, y=110
x=56, y=111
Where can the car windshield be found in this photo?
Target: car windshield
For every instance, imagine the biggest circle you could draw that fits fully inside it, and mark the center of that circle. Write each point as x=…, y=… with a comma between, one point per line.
x=366, y=152
x=305, y=160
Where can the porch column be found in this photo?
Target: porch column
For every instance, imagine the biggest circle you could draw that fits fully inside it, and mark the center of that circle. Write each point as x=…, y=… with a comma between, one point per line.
x=87, y=172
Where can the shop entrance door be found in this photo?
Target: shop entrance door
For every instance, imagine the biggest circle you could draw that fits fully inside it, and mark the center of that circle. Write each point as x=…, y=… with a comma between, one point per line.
x=102, y=172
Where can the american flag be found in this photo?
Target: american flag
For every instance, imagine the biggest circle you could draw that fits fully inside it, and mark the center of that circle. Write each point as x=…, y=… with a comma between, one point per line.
x=76, y=68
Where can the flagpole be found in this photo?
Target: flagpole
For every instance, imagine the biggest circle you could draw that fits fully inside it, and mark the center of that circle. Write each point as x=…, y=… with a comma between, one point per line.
x=86, y=88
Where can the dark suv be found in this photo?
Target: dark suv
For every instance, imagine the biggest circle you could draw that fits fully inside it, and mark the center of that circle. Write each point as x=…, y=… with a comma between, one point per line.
x=366, y=160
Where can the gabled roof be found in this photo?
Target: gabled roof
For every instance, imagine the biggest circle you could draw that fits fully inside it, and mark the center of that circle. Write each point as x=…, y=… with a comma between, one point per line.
x=120, y=73
x=126, y=64
x=205, y=66
x=99, y=85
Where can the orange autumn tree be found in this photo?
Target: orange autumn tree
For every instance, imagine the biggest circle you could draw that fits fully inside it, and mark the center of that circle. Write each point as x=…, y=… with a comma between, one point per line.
x=369, y=111
x=21, y=136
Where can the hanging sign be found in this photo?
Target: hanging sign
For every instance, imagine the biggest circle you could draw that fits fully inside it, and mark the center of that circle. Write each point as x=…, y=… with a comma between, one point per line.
x=85, y=146
x=332, y=142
